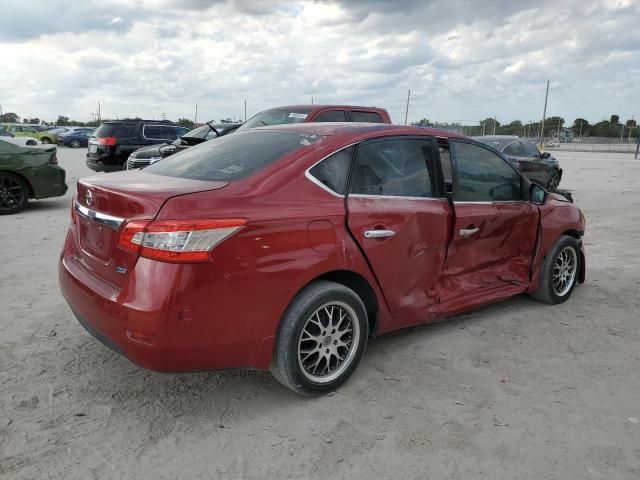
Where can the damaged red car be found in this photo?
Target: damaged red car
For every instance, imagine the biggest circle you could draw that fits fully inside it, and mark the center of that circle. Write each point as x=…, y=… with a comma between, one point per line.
x=288, y=247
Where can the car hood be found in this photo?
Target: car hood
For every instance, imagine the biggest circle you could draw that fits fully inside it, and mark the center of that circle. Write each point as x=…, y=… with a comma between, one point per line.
x=150, y=151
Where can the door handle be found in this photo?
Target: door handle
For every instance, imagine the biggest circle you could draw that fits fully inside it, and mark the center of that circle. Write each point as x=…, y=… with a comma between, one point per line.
x=378, y=233
x=467, y=232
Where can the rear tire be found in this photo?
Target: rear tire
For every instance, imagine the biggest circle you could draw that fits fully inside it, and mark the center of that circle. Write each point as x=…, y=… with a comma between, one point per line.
x=14, y=193
x=321, y=339
x=560, y=272
x=45, y=140
x=74, y=144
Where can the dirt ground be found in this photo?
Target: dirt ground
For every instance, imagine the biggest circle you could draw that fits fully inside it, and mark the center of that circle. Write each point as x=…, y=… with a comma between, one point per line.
x=518, y=390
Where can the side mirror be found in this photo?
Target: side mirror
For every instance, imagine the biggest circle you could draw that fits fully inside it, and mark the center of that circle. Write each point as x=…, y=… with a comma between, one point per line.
x=167, y=150
x=537, y=194
x=545, y=155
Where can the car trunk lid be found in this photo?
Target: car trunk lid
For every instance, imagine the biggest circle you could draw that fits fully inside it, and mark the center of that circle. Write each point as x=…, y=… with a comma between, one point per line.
x=105, y=203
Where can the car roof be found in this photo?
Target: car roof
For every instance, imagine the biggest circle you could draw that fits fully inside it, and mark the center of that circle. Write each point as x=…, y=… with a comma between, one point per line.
x=315, y=106
x=331, y=128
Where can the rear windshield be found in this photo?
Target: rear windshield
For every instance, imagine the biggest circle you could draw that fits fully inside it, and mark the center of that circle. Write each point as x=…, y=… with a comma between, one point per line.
x=232, y=157
x=277, y=116
x=118, y=130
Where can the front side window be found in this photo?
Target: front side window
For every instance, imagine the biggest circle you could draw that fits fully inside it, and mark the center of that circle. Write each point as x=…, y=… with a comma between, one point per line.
x=332, y=116
x=398, y=167
x=514, y=149
x=366, y=117
x=530, y=149
x=234, y=156
x=482, y=175
x=332, y=171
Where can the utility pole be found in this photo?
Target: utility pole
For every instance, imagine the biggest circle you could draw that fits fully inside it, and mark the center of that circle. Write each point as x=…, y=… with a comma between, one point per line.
x=245, y=110
x=494, y=125
x=622, y=133
x=406, y=112
x=312, y=100
x=544, y=115
x=99, y=117
x=580, y=134
x=484, y=124
x=1, y=111
x=195, y=117
x=630, y=130
x=559, y=125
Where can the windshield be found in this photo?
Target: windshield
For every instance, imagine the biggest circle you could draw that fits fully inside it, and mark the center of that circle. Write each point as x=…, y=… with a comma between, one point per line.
x=232, y=157
x=277, y=116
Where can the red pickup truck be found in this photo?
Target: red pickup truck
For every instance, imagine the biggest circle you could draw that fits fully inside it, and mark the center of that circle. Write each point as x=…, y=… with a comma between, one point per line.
x=317, y=113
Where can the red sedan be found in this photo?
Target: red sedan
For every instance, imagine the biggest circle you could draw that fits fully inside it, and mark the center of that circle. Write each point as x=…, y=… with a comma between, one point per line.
x=287, y=247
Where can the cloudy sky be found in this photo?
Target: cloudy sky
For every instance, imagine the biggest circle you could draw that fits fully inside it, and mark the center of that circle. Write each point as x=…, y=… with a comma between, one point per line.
x=463, y=60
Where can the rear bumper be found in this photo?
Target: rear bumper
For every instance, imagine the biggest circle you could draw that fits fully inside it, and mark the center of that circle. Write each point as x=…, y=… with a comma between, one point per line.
x=99, y=165
x=172, y=318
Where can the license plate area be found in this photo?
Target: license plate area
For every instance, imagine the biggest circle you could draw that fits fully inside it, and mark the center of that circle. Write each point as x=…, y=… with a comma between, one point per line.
x=96, y=240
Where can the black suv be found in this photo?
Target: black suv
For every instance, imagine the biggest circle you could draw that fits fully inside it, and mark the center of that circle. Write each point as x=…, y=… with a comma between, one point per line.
x=114, y=141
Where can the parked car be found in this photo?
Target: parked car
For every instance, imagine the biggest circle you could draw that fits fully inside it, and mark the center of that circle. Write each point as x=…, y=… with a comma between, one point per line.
x=317, y=113
x=20, y=130
x=147, y=155
x=28, y=172
x=286, y=247
x=539, y=167
x=115, y=140
x=76, y=138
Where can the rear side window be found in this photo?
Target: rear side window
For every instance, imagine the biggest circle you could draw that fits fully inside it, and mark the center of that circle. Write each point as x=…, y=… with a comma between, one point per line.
x=118, y=130
x=232, y=157
x=332, y=116
x=277, y=116
x=367, y=117
x=332, y=171
x=159, y=132
x=399, y=167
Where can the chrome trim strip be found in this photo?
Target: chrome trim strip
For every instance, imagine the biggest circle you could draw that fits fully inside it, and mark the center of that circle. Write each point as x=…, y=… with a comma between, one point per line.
x=396, y=197
x=101, y=218
x=499, y=202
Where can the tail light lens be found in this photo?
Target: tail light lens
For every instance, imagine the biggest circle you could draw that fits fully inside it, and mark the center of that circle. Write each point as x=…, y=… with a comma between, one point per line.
x=107, y=140
x=181, y=241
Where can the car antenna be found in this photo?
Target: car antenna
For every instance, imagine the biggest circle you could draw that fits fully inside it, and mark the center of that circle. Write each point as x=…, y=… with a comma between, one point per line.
x=114, y=114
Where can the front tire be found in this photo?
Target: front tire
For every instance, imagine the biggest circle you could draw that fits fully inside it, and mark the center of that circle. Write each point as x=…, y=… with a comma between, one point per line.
x=560, y=272
x=74, y=144
x=14, y=193
x=321, y=339
x=554, y=181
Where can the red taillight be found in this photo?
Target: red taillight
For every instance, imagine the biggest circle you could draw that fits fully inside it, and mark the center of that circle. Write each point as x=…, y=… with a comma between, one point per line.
x=107, y=140
x=185, y=241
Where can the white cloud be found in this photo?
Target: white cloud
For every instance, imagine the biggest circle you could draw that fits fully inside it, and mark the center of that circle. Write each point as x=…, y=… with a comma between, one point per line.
x=462, y=59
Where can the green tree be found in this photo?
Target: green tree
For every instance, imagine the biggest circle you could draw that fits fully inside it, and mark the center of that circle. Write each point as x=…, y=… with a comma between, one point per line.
x=62, y=121
x=9, y=117
x=423, y=122
x=615, y=120
x=185, y=122
x=631, y=123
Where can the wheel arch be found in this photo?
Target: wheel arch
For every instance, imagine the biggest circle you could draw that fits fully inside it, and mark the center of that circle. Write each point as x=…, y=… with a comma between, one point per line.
x=26, y=180
x=582, y=273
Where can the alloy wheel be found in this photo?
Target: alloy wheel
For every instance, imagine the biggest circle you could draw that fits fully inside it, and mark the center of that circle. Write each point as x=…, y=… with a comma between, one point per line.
x=328, y=342
x=564, y=271
x=554, y=182
x=75, y=144
x=12, y=193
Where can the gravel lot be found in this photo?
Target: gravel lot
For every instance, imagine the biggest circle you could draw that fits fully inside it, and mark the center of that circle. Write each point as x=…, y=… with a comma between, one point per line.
x=518, y=390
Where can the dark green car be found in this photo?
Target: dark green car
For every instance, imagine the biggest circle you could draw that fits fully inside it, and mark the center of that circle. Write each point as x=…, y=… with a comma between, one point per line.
x=28, y=172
